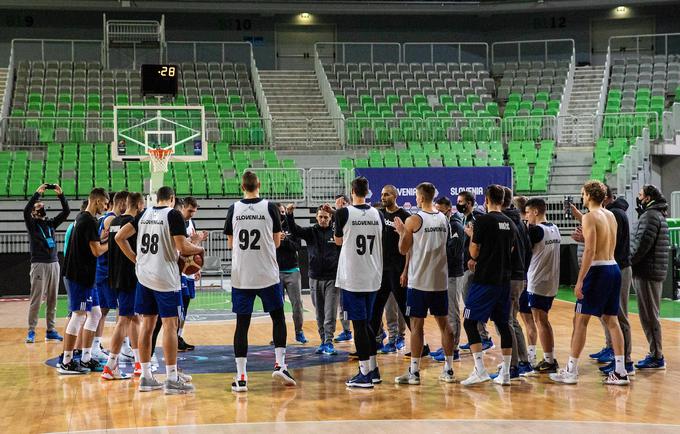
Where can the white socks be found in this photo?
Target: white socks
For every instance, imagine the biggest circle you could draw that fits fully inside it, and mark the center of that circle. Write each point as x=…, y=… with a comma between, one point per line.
x=364, y=367
x=113, y=359
x=572, y=365
x=68, y=356
x=280, y=356
x=179, y=332
x=87, y=355
x=505, y=369
x=97, y=343
x=146, y=370
x=531, y=349
x=620, y=365
x=548, y=357
x=448, y=363
x=372, y=363
x=415, y=365
x=171, y=370
x=241, y=368
x=479, y=361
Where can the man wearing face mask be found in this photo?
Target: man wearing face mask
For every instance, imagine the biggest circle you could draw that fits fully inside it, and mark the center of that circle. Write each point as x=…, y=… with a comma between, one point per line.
x=466, y=206
x=45, y=270
x=649, y=258
x=323, y=266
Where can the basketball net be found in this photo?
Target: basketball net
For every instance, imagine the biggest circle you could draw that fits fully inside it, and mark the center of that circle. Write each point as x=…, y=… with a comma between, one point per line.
x=159, y=159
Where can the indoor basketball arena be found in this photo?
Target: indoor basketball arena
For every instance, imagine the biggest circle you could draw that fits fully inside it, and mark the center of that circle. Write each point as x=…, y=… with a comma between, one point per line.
x=327, y=216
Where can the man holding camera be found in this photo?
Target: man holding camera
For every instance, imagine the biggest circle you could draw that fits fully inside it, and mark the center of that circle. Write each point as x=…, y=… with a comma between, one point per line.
x=44, y=261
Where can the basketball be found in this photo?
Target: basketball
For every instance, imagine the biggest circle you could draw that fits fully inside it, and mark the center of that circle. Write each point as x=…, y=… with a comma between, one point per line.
x=190, y=264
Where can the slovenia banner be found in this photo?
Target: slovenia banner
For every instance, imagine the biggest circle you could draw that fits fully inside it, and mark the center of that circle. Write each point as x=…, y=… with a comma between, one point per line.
x=447, y=180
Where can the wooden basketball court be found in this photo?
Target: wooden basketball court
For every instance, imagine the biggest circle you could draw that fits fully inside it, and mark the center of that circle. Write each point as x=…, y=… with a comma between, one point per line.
x=36, y=399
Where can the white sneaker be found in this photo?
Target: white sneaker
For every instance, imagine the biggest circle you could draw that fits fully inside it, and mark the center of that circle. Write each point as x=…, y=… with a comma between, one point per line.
x=502, y=379
x=154, y=361
x=614, y=379
x=239, y=385
x=126, y=352
x=565, y=377
x=184, y=377
x=114, y=374
x=476, y=377
x=447, y=376
x=408, y=378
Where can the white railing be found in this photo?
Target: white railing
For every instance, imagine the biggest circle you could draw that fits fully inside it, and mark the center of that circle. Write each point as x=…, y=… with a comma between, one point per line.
x=458, y=54
x=56, y=49
x=646, y=43
x=524, y=128
x=566, y=95
x=281, y=184
x=378, y=52
x=323, y=184
x=604, y=89
x=261, y=99
x=329, y=98
x=547, y=44
x=7, y=97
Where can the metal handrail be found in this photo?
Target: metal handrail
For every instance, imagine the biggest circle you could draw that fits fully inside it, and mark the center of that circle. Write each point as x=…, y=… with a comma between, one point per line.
x=371, y=44
x=460, y=49
x=534, y=41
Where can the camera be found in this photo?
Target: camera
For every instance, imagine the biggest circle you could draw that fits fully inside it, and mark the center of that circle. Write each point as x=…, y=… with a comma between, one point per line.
x=50, y=186
x=568, y=201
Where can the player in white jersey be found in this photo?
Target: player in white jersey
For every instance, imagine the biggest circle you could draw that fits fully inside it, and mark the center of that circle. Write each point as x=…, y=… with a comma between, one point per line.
x=161, y=236
x=359, y=230
x=424, y=235
x=543, y=278
x=253, y=230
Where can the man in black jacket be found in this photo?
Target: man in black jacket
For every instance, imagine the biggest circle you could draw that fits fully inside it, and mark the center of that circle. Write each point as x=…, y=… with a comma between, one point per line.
x=289, y=273
x=466, y=206
x=520, y=360
x=649, y=258
x=323, y=267
x=45, y=270
x=454, y=257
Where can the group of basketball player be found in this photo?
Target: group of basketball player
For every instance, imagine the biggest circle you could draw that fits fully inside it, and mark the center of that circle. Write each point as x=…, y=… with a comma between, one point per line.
x=486, y=257
x=501, y=255
x=128, y=259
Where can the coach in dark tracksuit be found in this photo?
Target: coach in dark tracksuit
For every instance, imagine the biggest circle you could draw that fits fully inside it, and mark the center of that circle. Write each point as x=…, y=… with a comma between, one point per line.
x=323, y=266
x=45, y=270
x=649, y=257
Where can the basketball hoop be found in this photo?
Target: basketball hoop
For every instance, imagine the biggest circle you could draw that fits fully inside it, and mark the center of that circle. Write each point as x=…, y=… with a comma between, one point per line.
x=159, y=159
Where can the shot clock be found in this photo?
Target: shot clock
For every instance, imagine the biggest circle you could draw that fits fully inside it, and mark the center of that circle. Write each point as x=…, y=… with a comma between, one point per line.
x=159, y=80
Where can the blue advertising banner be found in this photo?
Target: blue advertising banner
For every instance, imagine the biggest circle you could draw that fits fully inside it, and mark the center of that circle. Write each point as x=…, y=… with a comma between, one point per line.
x=447, y=180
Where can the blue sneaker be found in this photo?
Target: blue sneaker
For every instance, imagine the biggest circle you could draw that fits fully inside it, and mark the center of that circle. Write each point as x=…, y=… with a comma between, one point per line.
x=597, y=355
x=606, y=357
x=53, y=335
x=437, y=352
x=525, y=369
x=651, y=363
x=487, y=344
x=30, y=338
x=400, y=343
x=388, y=348
x=345, y=336
x=300, y=337
x=464, y=347
x=321, y=349
x=606, y=370
x=441, y=357
x=329, y=350
x=514, y=373
x=360, y=380
x=375, y=376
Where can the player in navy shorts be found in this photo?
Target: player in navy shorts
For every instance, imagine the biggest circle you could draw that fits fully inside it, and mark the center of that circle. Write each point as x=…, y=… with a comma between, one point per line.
x=598, y=286
x=489, y=295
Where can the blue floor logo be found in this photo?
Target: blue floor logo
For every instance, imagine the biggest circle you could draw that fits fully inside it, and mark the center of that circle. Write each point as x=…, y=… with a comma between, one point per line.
x=219, y=359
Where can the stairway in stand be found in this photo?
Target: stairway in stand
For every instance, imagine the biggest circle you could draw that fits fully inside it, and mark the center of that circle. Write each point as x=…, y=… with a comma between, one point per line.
x=300, y=118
